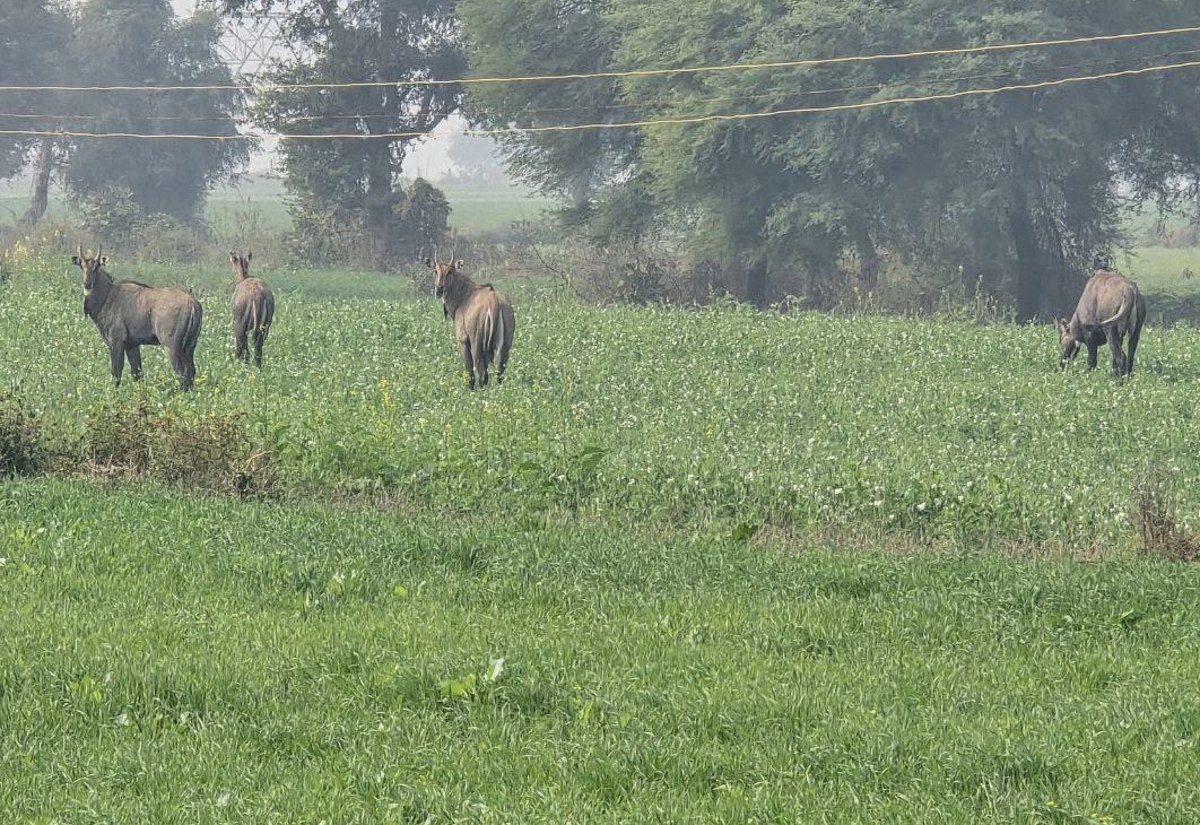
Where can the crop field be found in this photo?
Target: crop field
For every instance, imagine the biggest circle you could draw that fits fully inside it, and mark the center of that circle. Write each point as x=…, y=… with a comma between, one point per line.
x=683, y=566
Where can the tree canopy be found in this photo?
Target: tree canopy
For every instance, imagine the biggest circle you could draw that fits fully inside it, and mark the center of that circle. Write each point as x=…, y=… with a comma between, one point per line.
x=351, y=184
x=34, y=40
x=142, y=42
x=1018, y=187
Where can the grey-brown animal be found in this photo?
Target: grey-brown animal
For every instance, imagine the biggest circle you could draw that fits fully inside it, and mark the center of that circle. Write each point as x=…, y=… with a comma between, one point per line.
x=253, y=309
x=1110, y=308
x=129, y=314
x=484, y=321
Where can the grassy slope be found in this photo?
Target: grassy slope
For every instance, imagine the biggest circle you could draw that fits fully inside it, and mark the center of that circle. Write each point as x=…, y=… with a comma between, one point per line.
x=175, y=659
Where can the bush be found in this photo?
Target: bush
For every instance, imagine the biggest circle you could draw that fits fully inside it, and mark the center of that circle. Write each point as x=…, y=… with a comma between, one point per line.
x=212, y=453
x=112, y=214
x=163, y=239
x=1154, y=515
x=20, y=437
x=422, y=220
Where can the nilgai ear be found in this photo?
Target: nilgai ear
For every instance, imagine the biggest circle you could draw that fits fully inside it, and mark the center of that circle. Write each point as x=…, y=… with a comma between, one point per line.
x=249, y=256
x=103, y=260
x=429, y=262
x=458, y=264
x=78, y=261
x=233, y=258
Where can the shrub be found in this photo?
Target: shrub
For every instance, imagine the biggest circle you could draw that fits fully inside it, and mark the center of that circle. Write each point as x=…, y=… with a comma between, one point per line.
x=1154, y=515
x=113, y=214
x=212, y=453
x=20, y=437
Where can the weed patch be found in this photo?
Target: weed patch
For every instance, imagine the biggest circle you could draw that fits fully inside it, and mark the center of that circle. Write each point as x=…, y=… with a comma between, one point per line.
x=212, y=452
x=21, y=451
x=1154, y=514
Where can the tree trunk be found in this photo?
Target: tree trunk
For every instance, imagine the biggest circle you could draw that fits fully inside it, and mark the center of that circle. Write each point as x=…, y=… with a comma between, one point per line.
x=377, y=211
x=1029, y=258
x=41, y=183
x=379, y=217
x=868, y=257
x=757, y=281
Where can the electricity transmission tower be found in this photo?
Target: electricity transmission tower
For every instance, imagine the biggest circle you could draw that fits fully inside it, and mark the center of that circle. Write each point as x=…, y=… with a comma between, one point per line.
x=247, y=45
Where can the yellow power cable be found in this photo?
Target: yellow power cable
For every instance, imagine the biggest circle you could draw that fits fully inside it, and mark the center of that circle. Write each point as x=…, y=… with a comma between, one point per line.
x=634, y=104
x=844, y=107
x=780, y=64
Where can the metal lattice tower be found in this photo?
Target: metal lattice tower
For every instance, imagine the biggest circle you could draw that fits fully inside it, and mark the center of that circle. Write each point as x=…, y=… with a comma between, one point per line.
x=247, y=45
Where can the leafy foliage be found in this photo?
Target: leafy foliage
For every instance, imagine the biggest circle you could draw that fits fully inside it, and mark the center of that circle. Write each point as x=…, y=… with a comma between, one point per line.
x=349, y=183
x=1018, y=189
x=141, y=42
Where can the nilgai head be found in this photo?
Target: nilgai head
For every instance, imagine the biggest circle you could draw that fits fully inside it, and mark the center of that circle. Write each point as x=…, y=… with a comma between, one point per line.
x=241, y=265
x=443, y=273
x=92, y=267
x=1068, y=344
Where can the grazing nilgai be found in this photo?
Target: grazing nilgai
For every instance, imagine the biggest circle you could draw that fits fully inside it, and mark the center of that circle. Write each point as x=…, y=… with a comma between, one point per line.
x=483, y=319
x=1110, y=308
x=129, y=314
x=253, y=308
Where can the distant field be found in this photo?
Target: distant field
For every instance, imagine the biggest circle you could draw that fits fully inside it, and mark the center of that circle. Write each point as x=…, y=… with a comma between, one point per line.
x=261, y=207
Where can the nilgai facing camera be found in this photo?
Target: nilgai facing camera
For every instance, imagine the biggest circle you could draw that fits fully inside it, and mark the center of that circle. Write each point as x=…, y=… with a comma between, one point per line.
x=1110, y=308
x=129, y=314
x=483, y=319
x=253, y=308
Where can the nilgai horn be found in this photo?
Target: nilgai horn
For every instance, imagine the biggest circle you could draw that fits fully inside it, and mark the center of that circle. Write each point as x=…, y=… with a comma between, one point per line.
x=129, y=314
x=253, y=308
x=1110, y=308
x=484, y=322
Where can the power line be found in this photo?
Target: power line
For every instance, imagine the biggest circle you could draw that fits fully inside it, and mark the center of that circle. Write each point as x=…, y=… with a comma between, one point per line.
x=640, y=104
x=711, y=118
x=781, y=64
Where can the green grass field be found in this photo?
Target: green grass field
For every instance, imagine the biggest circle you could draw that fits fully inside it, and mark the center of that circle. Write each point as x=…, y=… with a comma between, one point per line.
x=171, y=658
x=739, y=567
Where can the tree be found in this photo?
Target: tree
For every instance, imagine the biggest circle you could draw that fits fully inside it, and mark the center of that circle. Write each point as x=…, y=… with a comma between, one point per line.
x=554, y=37
x=1021, y=184
x=141, y=42
x=392, y=43
x=35, y=37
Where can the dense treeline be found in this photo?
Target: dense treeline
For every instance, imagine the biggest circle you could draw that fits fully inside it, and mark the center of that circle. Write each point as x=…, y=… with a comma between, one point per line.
x=1020, y=189
x=1014, y=193
x=118, y=181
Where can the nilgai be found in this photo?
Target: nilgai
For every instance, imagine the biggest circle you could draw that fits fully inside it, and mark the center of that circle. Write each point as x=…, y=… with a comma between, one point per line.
x=483, y=319
x=253, y=308
x=1110, y=308
x=129, y=314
